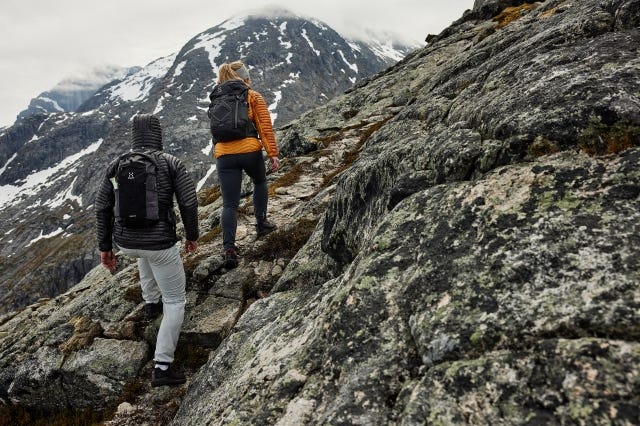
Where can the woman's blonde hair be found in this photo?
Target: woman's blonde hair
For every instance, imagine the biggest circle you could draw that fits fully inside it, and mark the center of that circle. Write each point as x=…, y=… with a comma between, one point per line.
x=228, y=72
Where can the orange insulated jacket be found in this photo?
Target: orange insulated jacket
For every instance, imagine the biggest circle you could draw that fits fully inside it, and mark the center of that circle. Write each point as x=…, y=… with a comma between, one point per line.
x=259, y=114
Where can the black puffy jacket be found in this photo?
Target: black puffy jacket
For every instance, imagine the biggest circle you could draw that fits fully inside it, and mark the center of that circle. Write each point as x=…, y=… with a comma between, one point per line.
x=172, y=179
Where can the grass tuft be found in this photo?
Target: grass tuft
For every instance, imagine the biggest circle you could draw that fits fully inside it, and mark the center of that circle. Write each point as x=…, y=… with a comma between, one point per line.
x=511, y=14
x=209, y=195
x=285, y=243
x=599, y=139
x=542, y=146
x=85, y=330
x=287, y=179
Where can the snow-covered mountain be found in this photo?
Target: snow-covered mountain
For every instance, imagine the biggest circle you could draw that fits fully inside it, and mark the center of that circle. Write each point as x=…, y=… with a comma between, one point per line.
x=51, y=163
x=72, y=92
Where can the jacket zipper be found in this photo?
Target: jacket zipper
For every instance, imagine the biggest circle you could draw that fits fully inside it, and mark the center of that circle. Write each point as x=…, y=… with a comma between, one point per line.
x=236, y=115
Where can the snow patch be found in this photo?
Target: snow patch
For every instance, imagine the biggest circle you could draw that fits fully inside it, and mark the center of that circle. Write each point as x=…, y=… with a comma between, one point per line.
x=319, y=24
x=190, y=87
x=202, y=181
x=353, y=67
x=137, y=86
x=179, y=67
x=286, y=44
x=52, y=102
x=65, y=195
x=160, y=104
x=385, y=50
x=2, y=170
x=64, y=118
x=42, y=236
x=306, y=37
x=212, y=42
x=208, y=150
x=354, y=46
x=288, y=58
x=43, y=178
x=274, y=105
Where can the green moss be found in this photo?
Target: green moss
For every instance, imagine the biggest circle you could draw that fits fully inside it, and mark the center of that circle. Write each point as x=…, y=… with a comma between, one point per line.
x=367, y=283
x=383, y=243
x=510, y=410
x=464, y=367
x=549, y=199
x=568, y=202
x=476, y=337
x=578, y=411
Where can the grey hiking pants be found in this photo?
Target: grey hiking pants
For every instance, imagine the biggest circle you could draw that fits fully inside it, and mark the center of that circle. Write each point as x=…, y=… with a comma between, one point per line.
x=230, y=168
x=162, y=277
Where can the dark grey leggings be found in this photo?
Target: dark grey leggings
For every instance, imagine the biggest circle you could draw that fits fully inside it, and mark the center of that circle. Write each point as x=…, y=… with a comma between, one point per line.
x=230, y=169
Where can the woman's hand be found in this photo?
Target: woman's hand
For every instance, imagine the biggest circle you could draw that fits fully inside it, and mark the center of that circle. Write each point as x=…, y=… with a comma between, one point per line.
x=274, y=164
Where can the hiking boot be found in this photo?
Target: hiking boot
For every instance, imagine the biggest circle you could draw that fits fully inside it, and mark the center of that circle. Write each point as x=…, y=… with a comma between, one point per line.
x=230, y=258
x=168, y=377
x=152, y=310
x=264, y=227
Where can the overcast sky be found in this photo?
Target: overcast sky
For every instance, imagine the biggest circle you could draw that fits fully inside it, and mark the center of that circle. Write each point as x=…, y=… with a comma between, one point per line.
x=43, y=41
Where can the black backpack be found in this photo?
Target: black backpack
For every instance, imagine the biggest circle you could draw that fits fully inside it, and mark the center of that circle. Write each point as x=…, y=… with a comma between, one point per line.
x=136, y=190
x=229, y=112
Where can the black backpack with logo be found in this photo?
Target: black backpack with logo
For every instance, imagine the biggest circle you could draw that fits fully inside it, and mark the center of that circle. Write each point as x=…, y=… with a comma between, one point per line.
x=229, y=112
x=136, y=190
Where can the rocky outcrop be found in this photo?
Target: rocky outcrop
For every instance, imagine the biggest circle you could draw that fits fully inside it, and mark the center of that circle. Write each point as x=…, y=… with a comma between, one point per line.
x=457, y=243
x=487, y=266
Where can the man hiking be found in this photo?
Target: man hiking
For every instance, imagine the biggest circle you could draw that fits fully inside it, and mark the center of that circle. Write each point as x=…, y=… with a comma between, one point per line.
x=134, y=205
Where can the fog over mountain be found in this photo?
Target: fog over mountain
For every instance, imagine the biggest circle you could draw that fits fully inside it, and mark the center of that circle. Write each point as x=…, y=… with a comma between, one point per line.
x=70, y=93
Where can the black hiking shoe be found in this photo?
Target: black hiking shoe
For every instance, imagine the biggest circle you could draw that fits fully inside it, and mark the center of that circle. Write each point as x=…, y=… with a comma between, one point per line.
x=168, y=377
x=264, y=227
x=230, y=258
x=152, y=310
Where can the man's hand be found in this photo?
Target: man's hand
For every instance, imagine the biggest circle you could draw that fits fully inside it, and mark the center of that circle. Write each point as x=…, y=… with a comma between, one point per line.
x=190, y=246
x=108, y=260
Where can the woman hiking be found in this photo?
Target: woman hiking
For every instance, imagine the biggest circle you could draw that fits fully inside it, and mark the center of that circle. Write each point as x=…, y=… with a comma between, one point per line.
x=242, y=152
